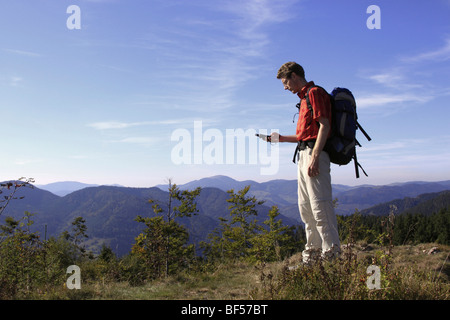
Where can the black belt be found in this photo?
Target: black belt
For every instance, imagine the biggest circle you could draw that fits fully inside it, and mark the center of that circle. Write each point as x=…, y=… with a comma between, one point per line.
x=302, y=145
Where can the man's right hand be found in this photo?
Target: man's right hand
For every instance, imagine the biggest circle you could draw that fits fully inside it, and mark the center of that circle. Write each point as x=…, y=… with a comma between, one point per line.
x=275, y=137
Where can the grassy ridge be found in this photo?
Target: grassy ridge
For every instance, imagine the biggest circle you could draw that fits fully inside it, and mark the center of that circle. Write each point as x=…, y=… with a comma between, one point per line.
x=408, y=273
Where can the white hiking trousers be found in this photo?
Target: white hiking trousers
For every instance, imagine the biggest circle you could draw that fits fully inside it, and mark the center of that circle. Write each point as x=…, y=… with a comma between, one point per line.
x=316, y=208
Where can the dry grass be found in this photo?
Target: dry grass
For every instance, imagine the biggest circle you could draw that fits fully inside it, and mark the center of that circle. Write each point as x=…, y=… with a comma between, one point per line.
x=410, y=273
x=227, y=282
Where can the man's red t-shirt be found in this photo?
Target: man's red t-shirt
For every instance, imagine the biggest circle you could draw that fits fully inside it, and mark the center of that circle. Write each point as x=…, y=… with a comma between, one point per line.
x=307, y=126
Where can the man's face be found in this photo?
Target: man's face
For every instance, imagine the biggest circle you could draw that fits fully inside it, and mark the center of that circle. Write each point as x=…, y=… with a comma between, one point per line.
x=292, y=83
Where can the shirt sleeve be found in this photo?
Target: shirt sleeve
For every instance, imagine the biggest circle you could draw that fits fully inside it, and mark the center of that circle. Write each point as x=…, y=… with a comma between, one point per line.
x=321, y=103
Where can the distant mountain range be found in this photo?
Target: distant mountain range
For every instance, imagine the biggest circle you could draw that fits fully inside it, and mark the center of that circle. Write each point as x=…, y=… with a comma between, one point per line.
x=110, y=210
x=427, y=204
x=283, y=193
x=66, y=187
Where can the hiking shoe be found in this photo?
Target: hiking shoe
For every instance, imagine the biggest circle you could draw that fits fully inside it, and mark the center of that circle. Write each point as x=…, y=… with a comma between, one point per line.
x=332, y=254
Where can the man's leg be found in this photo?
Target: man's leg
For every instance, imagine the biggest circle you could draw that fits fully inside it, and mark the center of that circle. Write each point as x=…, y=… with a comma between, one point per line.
x=313, y=238
x=320, y=195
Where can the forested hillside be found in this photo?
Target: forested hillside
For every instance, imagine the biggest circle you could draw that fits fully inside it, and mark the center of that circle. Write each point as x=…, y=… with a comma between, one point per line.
x=110, y=211
x=425, y=204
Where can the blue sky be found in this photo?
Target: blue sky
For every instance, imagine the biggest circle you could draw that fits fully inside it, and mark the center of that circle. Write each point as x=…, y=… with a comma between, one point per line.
x=101, y=104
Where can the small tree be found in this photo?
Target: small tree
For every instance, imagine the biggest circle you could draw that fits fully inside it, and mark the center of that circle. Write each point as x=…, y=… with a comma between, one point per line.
x=219, y=242
x=242, y=237
x=20, y=257
x=77, y=237
x=267, y=245
x=163, y=236
x=242, y=229
x=233, y=239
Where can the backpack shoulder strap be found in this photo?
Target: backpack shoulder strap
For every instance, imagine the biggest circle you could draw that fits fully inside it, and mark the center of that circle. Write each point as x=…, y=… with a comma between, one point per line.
x=308, y=102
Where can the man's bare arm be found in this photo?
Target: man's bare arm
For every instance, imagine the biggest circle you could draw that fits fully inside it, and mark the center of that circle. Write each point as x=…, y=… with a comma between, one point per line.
x=276, y=137
x=324, y=129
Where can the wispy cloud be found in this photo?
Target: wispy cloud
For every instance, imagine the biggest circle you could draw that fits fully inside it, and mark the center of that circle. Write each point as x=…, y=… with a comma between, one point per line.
x=108, y=125
x=383, y=99
x=118, y=125
x=137, y=140
x=100, y=1
x=24, y=162
x=406, y=82
x=395, y=78
x=78, y=157
x=252, y=20
x=15, y=81
x=145, y=141
x=437, y=55
x=220, y=55
x=400, y=155
x=402, y=144
x=258, y=13
x=22, y=52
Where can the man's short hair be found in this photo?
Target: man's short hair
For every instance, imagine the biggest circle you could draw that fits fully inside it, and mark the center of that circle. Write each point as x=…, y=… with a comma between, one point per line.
x=288, y=68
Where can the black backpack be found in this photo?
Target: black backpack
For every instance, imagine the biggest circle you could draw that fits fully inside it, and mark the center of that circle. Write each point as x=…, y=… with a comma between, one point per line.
x=341, y=146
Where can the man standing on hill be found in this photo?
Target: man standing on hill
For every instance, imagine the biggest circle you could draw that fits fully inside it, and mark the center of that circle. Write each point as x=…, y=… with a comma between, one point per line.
x=314, y=179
